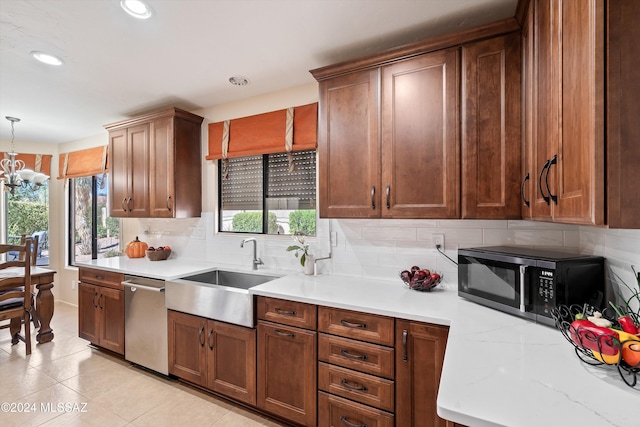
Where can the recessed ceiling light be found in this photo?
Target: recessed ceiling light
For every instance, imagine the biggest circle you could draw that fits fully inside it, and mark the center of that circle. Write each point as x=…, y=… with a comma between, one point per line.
x=136, y=8
x=238, y=81
x=47, y=58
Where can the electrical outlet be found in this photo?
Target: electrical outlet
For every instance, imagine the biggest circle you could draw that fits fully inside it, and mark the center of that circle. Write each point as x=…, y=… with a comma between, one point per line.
x=73, y=284
x=334, y=238
x=438, y=240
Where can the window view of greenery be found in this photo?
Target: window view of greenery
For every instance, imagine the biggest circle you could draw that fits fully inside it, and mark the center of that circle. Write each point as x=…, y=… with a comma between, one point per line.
x=28, y=215
x=259, y=185
x=95, y=235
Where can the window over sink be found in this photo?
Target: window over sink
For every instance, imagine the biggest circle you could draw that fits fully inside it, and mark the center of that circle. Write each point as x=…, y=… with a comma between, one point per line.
x=260, y=194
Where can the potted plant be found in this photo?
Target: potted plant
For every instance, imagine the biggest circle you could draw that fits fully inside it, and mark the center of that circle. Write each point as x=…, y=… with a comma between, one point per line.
x=302, y=251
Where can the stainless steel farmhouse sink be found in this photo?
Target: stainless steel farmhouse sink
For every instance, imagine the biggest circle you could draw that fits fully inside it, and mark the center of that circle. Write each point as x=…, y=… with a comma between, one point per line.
x=219, y=294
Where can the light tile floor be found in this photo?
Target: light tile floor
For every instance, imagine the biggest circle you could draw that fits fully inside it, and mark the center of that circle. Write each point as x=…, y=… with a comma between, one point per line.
x=98, y=389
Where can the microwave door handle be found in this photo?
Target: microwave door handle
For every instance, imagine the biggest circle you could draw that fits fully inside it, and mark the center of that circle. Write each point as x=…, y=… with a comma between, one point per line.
x=523, y=269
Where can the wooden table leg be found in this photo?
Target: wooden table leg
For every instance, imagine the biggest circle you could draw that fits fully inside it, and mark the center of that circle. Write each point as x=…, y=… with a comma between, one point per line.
x=44, y=306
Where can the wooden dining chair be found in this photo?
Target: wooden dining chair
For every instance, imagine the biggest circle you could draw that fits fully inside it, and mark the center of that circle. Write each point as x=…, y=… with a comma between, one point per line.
x=15, y=292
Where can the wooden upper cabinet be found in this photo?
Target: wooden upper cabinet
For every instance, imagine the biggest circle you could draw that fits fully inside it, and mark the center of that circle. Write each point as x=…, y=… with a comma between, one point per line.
x=349, y=146
x=491, y=145
x=155, y=165
x=528, y=127
x=420, y=149
x=567, y=153
x=129, y=171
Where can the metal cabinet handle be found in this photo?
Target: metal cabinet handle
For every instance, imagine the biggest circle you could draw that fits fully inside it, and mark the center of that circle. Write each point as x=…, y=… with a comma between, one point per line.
x=209, y=339
x=524, y=199
x=168, y=202
x=129, y=204
x=124, y=208
x=388, y=193
x=284, y=334
x=285, y=312
x=405, y=335
x=100, y=302
x=373, y=197
x=546, y=198
x=553, y=161
x=358, y=387
x=201, y=336
x=350, y=424
x=353, y=356
x=353, y=325
x=95, y=299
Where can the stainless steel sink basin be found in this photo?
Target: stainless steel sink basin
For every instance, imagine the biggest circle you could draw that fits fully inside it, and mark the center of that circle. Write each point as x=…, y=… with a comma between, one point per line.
x=219, y=294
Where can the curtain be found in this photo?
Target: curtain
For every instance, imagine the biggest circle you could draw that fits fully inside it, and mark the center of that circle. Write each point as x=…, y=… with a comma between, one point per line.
x=81, y=163
x=36, y=162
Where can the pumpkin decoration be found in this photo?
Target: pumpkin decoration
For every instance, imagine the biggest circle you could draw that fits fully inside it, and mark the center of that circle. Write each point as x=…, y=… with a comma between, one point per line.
x=136, y=249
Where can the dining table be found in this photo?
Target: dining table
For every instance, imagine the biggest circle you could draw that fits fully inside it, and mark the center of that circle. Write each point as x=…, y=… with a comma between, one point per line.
x=42, y=282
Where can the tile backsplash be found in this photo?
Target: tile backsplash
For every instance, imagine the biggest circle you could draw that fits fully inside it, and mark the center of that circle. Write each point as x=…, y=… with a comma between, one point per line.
x=382, y=248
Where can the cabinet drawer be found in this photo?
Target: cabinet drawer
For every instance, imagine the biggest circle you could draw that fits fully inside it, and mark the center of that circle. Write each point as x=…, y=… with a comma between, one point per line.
x=110, y=279
x=287, y=312
x=357, y=386
x=354, y=324
x=335, y=411
x=361, y=356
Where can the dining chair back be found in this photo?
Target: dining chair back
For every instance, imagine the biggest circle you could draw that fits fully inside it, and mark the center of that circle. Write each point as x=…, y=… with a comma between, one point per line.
x=15, y=292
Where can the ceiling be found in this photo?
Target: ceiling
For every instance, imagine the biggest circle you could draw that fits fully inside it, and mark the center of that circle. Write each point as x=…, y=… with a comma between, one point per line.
x=117, y=66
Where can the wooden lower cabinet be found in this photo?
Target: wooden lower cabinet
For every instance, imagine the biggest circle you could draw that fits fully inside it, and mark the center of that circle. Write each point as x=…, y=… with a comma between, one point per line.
x=287, y=380
x=419, y=355
x=101, y=316
x=338, y=412
x=215, y=355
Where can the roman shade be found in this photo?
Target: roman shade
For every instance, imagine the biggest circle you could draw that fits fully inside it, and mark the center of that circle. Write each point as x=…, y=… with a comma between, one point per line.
x=81, y=163
x=264, y=133
x=36, y=162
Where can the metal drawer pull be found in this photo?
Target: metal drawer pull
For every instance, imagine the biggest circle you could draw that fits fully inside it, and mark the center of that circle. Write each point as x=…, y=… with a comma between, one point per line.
x=99, y=277
x=285, y=312
x=388, y=192
x=350, y=424
x=405, y=355
x=209, y=339
x=373, y=195
x=353, y=387
x=201, y=336
x=353, y=356
x=524, y=199
x=353, y=325
x=552, y=162
x=284, y=334
x=168, y=201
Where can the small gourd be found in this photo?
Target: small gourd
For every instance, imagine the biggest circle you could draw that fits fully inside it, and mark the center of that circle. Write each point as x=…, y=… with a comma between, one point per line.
x=136, y=249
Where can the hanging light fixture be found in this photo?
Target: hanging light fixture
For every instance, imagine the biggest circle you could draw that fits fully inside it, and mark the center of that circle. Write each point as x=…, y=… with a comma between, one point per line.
x=12, y=171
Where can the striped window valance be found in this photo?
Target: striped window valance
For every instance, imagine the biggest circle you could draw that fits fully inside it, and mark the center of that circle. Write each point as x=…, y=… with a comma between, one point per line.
x=81, y=163
x=36, y=162
x=292, y=129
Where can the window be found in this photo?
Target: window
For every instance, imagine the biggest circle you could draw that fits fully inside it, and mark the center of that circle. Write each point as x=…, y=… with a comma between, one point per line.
x=93, y=234
x=28, y=215
x=260, y=195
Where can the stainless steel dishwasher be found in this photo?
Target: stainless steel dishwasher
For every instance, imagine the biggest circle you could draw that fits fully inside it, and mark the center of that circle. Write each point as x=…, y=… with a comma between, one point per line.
x=145, y=323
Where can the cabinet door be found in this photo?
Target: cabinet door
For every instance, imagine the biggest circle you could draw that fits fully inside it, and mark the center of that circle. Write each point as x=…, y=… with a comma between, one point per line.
x=111, y=306
x=419, y=356
x=118, y=173
x=161, y=169
x=579, y=173
x=547, y=89
x=528, y=112
x=187, y=351
x=420, y=148
x=138, y=142
x=349, y=146
x=287, y=369
x=88, y=313
x=232, y=361
x=491, y=128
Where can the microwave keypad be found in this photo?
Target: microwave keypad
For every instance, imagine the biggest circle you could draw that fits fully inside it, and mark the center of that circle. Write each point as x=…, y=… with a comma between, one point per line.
x=546, y=294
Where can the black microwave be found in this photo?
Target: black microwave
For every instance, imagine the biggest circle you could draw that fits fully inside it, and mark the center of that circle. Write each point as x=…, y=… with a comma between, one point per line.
x=529, y=282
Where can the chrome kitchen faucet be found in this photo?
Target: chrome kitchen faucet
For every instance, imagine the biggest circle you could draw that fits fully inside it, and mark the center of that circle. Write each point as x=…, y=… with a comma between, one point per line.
x=256, y=261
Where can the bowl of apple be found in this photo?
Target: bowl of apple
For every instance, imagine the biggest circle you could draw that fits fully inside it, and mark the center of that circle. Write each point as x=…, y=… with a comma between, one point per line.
x=158, y=254
x=420, y=279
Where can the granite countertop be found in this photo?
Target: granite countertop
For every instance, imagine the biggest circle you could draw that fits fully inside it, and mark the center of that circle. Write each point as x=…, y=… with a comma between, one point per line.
x=499, y=370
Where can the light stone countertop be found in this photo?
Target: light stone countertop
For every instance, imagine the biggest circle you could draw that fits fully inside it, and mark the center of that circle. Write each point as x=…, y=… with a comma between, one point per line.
x=499, y=370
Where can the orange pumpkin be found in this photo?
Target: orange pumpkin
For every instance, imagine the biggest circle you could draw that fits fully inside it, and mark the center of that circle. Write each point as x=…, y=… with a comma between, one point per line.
x=136, y=249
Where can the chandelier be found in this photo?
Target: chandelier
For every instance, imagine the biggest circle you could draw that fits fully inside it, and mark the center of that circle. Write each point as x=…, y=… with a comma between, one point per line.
x=13, y=173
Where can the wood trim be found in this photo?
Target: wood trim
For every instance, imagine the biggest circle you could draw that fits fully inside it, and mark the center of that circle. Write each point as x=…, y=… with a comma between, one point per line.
x=407, y=51
x=521, y=11
x=148, y=117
